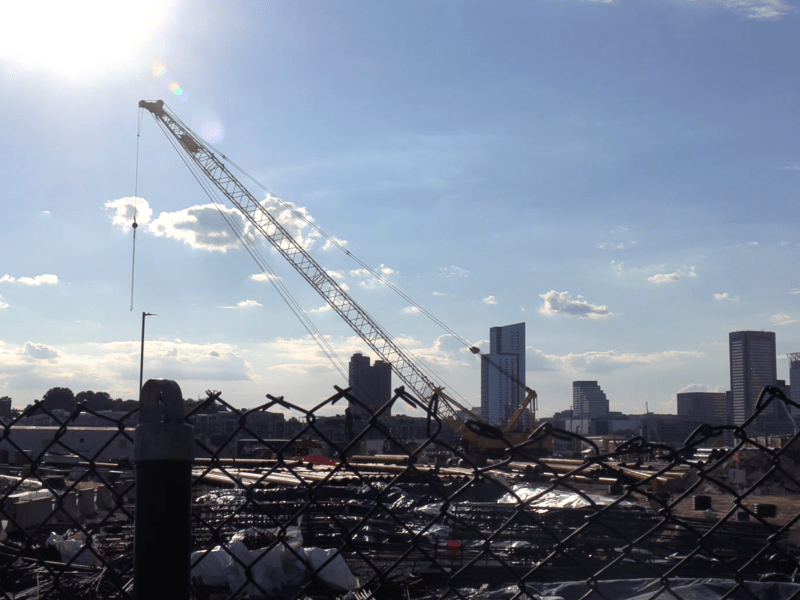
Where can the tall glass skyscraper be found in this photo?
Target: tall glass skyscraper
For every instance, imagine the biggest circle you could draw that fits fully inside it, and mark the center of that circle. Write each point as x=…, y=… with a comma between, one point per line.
x=503, y=374
x=753, y=362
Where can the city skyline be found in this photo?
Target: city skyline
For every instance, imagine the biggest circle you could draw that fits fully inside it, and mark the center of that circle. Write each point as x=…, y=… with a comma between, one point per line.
x=618, y=175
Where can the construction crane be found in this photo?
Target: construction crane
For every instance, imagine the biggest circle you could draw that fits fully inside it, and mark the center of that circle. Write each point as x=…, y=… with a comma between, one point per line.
x=216, y=172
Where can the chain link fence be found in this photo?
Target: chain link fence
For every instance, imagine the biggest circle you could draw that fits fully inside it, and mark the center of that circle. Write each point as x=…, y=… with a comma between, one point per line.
x=287, y=502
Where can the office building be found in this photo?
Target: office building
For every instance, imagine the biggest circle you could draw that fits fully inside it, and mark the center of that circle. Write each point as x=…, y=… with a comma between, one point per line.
x=703, y=407
x=588, y=400
x=503, y=374
x=371, y=384
x=753, y=364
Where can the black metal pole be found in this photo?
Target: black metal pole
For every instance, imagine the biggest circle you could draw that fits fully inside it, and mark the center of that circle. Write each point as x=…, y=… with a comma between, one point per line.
x=141, y=352
x=163, y=454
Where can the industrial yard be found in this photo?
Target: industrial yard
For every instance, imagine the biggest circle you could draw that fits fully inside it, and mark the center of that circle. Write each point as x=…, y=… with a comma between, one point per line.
x=397, y=526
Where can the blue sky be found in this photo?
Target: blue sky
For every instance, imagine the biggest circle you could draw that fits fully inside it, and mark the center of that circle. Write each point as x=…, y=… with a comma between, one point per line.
x=621, y=175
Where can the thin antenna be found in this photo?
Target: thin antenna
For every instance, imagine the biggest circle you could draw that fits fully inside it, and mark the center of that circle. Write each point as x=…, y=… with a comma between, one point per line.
x=135, y=225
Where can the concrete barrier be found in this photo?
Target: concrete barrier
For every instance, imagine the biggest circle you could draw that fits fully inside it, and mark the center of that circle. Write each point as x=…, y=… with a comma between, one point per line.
x=86, y=502
x=105, y=498
x=69, y=508
x=29, y=509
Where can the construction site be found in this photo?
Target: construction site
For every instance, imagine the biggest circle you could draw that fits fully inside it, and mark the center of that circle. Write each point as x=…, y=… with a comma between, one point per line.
x=420, y=524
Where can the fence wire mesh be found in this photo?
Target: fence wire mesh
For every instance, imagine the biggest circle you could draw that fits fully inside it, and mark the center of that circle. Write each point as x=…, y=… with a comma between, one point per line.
x=288, y=503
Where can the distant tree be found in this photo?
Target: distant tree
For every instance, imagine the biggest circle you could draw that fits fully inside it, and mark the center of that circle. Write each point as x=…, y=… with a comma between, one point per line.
x=125, y=405
x=96, y=400
x=59, y=397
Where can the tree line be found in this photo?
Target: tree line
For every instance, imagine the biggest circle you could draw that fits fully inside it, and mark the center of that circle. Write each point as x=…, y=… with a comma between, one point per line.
x=64, y=399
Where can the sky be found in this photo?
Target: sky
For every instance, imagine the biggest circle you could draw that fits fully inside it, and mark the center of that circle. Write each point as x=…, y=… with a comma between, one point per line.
x=620, y=175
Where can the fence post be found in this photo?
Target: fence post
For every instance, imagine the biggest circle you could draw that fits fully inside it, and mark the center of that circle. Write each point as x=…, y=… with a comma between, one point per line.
x=163, y=453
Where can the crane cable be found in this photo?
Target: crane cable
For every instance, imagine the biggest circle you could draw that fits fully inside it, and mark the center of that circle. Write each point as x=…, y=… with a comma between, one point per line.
x=332, y=240
x=135, y=225
x=248, y=244
x=379, y=276
x=286, y=295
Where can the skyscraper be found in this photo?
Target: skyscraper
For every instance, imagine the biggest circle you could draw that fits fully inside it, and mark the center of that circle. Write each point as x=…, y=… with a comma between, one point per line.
x=703, y=407
x=753, y=363
x=588, y=400
x=794, y=376
x=372, y=385
x=503, y=374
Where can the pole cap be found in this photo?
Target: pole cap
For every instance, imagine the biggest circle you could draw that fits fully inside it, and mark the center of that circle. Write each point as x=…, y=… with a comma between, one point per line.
x=162, y=433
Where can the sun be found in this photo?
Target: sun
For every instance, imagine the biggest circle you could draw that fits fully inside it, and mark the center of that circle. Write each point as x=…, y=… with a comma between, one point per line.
x=79, y=40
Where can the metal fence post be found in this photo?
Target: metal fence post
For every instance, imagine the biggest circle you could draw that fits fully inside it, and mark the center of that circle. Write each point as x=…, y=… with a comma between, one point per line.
x=163, y=453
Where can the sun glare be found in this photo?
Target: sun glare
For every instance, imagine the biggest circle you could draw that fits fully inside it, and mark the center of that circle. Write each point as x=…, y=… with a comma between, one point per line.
x=80, y=40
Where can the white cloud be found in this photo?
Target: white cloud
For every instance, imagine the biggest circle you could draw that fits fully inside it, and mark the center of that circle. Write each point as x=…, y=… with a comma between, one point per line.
x=759, y=9
x=296, y=220
x=562, y=303
x=611, y=246
x=489, y=300
x=725, y=296
x=35, y=351
x=411, y=310
x=753, y=244
x=114, y=367
x=371, y=284
x=795, y=291
x=453, y=271
x=605, y=361
x=46, y=279
x=443, y=294
x=125, y=209
x=699, y=387
x=321, y=309
x=263, y=277
x=333, y=242
x=3, y=305
x=782, y=319
x=201, y=227
x=660, y=278
x=244, y=304
x=337, y=274
x=615, y=246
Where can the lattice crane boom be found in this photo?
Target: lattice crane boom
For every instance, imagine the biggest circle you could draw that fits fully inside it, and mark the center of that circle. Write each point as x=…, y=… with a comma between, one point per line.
x=280, y=239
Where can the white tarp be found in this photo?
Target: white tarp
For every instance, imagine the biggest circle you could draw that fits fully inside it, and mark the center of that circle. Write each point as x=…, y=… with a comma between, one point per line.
x=271, y=570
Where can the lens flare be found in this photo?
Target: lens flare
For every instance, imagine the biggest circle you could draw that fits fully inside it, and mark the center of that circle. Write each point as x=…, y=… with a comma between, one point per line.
x=159, y=70
x=178, y=92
